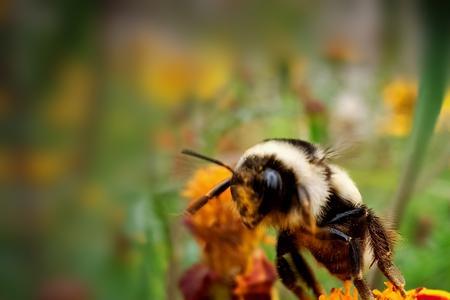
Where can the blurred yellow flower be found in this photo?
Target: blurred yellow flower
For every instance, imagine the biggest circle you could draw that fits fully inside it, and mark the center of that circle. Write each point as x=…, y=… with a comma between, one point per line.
x=399, y=98
x=168, y=77
x=401, y=95
x=170, y=71
x=213, y=71
x=226, y=243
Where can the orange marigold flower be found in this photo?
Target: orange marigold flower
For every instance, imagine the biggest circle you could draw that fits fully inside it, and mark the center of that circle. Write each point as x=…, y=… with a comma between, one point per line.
x=339, y=294
x=225, y=242
x=390, y=293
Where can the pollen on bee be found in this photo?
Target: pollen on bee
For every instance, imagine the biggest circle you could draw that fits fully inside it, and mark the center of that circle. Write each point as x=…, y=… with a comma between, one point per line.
x=244, y=195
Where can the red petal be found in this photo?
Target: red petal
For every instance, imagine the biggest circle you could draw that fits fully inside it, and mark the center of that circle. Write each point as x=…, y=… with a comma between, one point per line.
x=195, y=283
x=427, y=294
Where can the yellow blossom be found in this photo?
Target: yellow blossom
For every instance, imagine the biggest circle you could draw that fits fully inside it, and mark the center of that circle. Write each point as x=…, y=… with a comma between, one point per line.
x=168, y=77
x=212, y=73
x=399, y=98
x=170, y=71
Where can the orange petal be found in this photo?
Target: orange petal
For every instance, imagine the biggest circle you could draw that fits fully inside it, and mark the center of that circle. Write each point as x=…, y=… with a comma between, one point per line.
x=258, y=280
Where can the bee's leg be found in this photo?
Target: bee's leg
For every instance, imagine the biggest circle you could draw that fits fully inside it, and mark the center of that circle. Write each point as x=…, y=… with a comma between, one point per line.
x=288, y=277
x=292, y=268
x=356, y=212
x=356, y=260
x=362, y=287
x=382, y=240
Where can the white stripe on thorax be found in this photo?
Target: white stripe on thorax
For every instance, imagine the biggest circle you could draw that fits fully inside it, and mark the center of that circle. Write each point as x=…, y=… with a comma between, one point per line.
x=310, y=176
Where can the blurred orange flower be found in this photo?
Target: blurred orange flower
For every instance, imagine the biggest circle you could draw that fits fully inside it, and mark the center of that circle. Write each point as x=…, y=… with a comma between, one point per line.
x=226, y=243
x=339, y=294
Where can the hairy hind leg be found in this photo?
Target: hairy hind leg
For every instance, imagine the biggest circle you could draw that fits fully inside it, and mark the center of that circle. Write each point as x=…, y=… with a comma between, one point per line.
x=289, y=278
x=292, y=268
x=382, y=240
x=362, y=287
x=355, y=217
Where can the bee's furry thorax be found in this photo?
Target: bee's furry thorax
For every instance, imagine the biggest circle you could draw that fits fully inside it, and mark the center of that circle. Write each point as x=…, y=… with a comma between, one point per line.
x=309, y=167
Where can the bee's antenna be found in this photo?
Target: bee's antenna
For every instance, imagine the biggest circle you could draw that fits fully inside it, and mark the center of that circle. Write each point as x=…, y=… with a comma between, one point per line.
x=215, y=192
x=201, y=156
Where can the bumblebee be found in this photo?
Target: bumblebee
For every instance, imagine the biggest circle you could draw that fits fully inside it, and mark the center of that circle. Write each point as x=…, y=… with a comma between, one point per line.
x=291, y=185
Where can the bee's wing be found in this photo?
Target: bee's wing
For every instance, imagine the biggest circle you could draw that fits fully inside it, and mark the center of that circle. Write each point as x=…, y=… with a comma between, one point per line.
x=341, y=149
x=183, y=167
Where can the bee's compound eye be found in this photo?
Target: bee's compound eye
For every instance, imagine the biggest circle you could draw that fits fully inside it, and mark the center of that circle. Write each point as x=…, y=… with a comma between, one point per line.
x=272, y=179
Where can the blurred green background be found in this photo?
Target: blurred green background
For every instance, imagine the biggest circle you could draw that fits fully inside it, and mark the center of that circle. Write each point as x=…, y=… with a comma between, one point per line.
x=98, y=98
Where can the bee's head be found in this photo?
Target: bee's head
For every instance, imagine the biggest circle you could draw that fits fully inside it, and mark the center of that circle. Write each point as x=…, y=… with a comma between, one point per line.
x=259, y=186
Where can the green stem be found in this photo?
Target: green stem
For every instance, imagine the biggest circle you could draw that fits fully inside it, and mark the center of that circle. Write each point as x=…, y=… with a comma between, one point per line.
x=431, y=94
